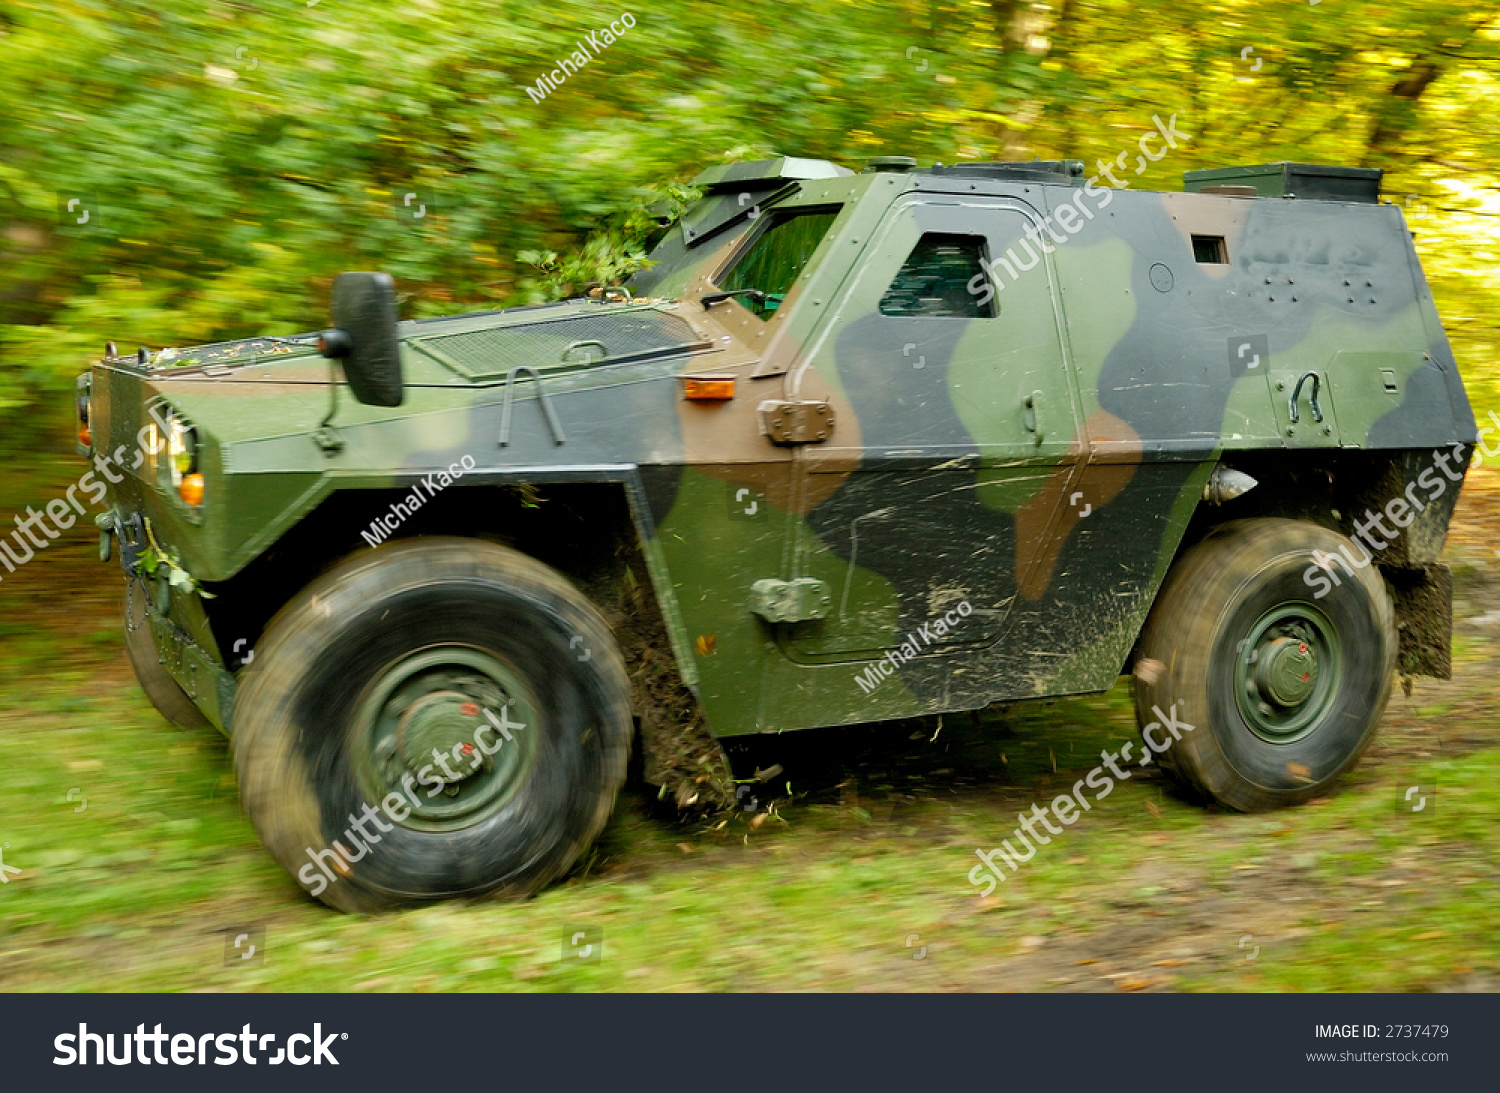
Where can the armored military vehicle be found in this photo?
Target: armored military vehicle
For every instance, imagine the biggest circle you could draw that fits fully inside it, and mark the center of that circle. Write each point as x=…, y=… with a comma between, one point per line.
x=856, y=447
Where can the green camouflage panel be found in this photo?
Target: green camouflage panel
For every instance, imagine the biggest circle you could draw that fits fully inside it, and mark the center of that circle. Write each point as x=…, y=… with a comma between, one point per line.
x=972, y=418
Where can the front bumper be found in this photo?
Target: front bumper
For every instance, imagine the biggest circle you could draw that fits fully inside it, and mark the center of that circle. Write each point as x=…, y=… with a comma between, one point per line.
x=179, y=627
x=115, y=414
x=196, y=671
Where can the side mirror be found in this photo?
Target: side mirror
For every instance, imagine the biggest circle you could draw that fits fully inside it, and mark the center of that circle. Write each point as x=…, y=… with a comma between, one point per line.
x=364, y=337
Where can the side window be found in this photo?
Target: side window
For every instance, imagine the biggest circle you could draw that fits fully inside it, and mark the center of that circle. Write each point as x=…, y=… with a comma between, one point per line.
x=777, y=257
x=934, y=280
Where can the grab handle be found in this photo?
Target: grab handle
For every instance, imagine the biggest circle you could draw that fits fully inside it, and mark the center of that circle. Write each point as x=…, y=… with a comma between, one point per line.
x=1313, y=399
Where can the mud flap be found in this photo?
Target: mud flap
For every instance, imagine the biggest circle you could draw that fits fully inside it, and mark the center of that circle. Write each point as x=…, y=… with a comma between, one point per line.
x=1423, y=598
x=678, y=751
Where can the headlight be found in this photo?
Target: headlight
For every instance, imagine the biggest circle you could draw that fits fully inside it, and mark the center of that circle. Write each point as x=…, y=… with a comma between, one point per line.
x=83, y=396
x=183, y=449
x=182, y=459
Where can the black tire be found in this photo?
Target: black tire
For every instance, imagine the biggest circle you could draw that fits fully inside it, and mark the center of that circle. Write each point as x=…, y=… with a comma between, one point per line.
x=170, y=700
x=304, y=723
x=1282, y=670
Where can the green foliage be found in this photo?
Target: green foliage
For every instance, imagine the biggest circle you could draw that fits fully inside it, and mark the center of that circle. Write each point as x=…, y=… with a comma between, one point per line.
x=612, y=252
x=234, y=157
x=153, y=561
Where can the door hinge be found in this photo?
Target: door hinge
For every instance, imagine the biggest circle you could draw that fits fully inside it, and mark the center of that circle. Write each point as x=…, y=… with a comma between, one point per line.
x=786, y=422
x=799, y=600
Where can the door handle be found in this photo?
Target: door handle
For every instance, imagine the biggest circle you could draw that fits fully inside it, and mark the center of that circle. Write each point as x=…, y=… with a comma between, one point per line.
x=1031, y=416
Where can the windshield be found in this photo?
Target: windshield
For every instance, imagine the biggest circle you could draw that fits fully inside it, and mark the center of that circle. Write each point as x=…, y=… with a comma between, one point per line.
x=771, y=264
x=777, y=257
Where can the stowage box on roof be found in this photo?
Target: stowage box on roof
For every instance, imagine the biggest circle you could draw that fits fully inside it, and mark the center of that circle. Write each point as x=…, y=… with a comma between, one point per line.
x=1309, y=181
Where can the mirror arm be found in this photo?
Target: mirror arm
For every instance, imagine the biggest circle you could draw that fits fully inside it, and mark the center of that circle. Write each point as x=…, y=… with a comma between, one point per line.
x=335, y=345
x=325, y=435
x=333, y=395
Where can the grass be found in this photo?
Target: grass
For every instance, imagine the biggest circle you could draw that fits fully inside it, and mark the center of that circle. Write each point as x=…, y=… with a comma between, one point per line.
x=1146, y=892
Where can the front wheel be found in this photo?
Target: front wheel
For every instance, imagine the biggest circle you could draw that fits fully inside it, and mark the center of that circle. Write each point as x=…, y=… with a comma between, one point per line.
x=435, y=718
x=1266, y=663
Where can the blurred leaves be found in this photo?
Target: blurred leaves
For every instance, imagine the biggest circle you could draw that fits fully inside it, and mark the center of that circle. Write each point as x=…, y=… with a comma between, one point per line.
x=612, y=252
x=235, y=156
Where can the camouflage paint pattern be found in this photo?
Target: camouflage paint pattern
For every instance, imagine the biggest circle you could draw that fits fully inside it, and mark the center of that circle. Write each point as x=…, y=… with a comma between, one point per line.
x=1040, y=466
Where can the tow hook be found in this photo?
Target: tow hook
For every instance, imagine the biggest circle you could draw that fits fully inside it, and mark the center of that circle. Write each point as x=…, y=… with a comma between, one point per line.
x=106, y=524
x=132, y=534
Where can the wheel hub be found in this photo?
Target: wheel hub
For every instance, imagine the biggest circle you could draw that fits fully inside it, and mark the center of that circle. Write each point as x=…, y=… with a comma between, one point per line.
x=1287, y=671
x=424, y=734
x=442, y=724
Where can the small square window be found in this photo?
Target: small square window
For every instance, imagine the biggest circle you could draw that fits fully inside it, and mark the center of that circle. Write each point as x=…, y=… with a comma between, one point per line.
x=935, y=280
x=1210, y=249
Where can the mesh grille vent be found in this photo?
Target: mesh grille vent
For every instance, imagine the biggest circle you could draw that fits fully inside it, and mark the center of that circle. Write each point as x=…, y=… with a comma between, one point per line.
x=483, y=354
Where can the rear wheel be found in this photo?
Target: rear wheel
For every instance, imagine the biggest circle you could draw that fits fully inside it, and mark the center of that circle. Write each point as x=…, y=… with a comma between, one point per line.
x=170, y=700
x=441, y=717
x=1265, y=665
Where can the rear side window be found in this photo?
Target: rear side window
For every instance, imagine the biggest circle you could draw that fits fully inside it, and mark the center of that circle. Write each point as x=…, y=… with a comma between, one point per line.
x=934, y=280
x=1210, y=250
x=778, y=256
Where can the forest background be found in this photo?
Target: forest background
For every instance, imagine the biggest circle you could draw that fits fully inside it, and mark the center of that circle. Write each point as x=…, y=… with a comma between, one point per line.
x=232, y=157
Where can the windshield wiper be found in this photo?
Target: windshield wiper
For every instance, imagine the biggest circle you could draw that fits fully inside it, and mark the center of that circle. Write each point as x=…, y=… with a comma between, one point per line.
x=719, y=297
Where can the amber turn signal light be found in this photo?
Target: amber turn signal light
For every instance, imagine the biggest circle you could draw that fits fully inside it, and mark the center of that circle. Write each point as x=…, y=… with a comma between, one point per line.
x=708, y=388
x=192, y=489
